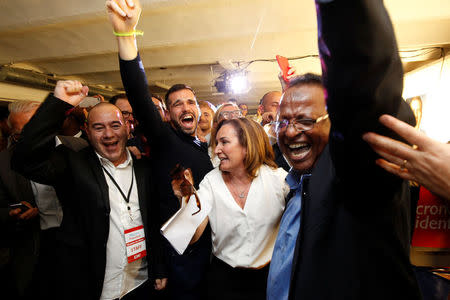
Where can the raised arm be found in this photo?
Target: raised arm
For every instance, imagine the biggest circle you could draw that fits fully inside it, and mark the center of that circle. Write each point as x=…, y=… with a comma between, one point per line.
x=363, y=77
x=124, y=16
x=34, y=155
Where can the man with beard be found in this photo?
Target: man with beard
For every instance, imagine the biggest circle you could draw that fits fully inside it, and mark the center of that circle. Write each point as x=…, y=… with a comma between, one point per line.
x=171, y=143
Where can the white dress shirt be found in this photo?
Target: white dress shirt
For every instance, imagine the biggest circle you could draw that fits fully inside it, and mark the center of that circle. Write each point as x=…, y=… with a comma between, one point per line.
x=245, y=237
x=50, y=209
x=121, y=277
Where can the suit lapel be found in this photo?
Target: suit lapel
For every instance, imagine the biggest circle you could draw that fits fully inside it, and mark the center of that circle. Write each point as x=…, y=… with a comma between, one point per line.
x=99, y=176
x=141, y=183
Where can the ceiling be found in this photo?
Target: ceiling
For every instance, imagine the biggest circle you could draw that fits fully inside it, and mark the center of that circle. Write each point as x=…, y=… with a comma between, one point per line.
x=195, y=41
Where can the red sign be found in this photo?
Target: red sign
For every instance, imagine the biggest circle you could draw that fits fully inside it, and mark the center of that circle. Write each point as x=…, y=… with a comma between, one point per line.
x=432, y=227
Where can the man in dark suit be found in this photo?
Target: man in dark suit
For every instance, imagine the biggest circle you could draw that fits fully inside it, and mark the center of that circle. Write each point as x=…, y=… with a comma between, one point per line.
x=352, y=234
x=19, y=245
x=171, y=143
x=109, y=241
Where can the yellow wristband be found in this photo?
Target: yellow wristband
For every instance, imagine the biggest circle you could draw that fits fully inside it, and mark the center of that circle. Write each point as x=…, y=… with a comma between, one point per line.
x=131, y=33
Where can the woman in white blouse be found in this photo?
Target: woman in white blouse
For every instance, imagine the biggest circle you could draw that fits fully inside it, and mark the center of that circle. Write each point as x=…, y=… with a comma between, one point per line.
x=245, y=197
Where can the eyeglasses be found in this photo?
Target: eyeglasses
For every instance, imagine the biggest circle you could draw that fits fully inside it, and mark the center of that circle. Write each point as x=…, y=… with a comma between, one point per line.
x=231, y=114
x=300, y=124
x=126, y=114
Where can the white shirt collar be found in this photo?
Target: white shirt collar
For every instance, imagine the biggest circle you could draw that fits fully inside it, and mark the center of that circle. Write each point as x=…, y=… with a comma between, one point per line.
x=107, y=162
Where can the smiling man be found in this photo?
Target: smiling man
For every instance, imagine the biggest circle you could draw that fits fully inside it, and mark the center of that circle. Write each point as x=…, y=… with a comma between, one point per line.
x=346, y=230
x=303, y=129
x=303, y=125
x=107, y=199
x=171, y=143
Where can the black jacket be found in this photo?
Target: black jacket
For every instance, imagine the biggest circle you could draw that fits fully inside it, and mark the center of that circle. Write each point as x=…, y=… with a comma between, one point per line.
x=355, y=221
x=167, y=148
x=83, y=192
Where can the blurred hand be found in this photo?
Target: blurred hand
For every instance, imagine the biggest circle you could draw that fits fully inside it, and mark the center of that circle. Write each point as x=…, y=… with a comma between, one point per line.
x=292, y=72
x=99, y=97
x=135, y=151
x=268, y=117
x=182, y=184
x=160, y=284
x=427, y=163
x=17, y=213
x=70, y=91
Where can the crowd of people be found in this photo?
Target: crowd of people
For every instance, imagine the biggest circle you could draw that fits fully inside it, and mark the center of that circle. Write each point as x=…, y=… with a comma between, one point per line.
x=309, y=199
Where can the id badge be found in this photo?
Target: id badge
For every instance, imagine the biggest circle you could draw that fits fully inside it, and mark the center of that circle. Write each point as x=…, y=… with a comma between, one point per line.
x=135, y=242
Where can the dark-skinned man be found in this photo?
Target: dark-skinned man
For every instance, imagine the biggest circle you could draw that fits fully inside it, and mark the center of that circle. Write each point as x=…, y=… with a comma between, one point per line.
x=346, y=230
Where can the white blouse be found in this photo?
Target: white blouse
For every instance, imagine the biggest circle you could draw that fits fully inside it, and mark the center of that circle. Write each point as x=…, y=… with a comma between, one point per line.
x=245, y=237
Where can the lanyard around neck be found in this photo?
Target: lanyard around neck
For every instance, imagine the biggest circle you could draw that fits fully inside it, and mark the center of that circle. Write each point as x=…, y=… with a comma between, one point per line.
x=127, y=198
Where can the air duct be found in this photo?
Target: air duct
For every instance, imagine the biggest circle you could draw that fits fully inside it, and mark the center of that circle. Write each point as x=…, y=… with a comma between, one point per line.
x=38, y=80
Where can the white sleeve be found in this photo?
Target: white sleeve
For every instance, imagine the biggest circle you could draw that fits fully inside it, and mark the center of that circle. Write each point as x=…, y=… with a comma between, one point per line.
x=281, y=175
x=181, y=227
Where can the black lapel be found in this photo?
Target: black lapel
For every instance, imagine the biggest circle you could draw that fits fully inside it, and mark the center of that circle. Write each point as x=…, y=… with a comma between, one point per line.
x=142, y=181
x=305, y=198
x=96, y=168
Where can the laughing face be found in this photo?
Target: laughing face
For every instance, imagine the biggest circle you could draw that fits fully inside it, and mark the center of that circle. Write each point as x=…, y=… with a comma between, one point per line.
x=229, y=150
x=108, y=132
x=302, y=149
x=183, y=111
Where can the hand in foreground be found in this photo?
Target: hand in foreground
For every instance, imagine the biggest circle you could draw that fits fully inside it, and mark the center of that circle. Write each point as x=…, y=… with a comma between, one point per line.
x=182, y=182
x=123, y=14
x=268, y=117
x=135, y=151
x=292, y=72
x=30, y=213
x=427, y=163
x=70, y=91
x=160, y=284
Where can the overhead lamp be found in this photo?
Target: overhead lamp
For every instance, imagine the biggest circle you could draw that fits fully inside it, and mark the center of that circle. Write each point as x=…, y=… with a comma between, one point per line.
x=233, y=82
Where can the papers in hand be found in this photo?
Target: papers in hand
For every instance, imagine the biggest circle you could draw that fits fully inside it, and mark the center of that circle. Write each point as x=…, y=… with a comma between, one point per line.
x=180, y=228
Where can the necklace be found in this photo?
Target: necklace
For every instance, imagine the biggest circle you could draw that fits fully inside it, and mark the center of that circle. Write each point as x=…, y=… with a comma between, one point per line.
x=242, y=195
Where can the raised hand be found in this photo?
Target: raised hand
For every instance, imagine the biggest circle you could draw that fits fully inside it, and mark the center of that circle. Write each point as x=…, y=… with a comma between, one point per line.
x=292, y=72
x=71, y=91
x=428, y=162
x=123, y=14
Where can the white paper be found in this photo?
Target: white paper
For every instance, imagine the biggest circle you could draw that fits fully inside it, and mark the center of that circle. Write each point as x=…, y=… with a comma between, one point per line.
x=181, y=227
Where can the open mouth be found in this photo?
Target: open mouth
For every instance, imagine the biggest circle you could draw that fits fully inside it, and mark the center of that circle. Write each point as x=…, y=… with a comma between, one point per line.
x=187, y=120
x=110, y=146
x=298, y=151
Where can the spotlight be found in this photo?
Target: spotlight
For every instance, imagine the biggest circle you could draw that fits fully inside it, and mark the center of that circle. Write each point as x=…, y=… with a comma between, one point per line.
x=238, y=83
x=233, y=82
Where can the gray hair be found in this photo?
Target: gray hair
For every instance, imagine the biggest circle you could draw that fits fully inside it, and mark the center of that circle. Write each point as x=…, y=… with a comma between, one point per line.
x=21, y=106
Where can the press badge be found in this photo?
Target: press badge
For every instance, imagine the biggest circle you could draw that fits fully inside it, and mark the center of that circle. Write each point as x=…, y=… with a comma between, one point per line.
x=135, y=243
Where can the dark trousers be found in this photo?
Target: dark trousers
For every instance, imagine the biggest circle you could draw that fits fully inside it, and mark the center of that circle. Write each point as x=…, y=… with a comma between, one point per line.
x=228, y=283
x=47, y=267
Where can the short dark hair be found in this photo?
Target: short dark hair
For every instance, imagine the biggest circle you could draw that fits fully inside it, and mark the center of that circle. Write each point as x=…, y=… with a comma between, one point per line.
x=307, y=78
x=114, y=98
x=175, y=88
